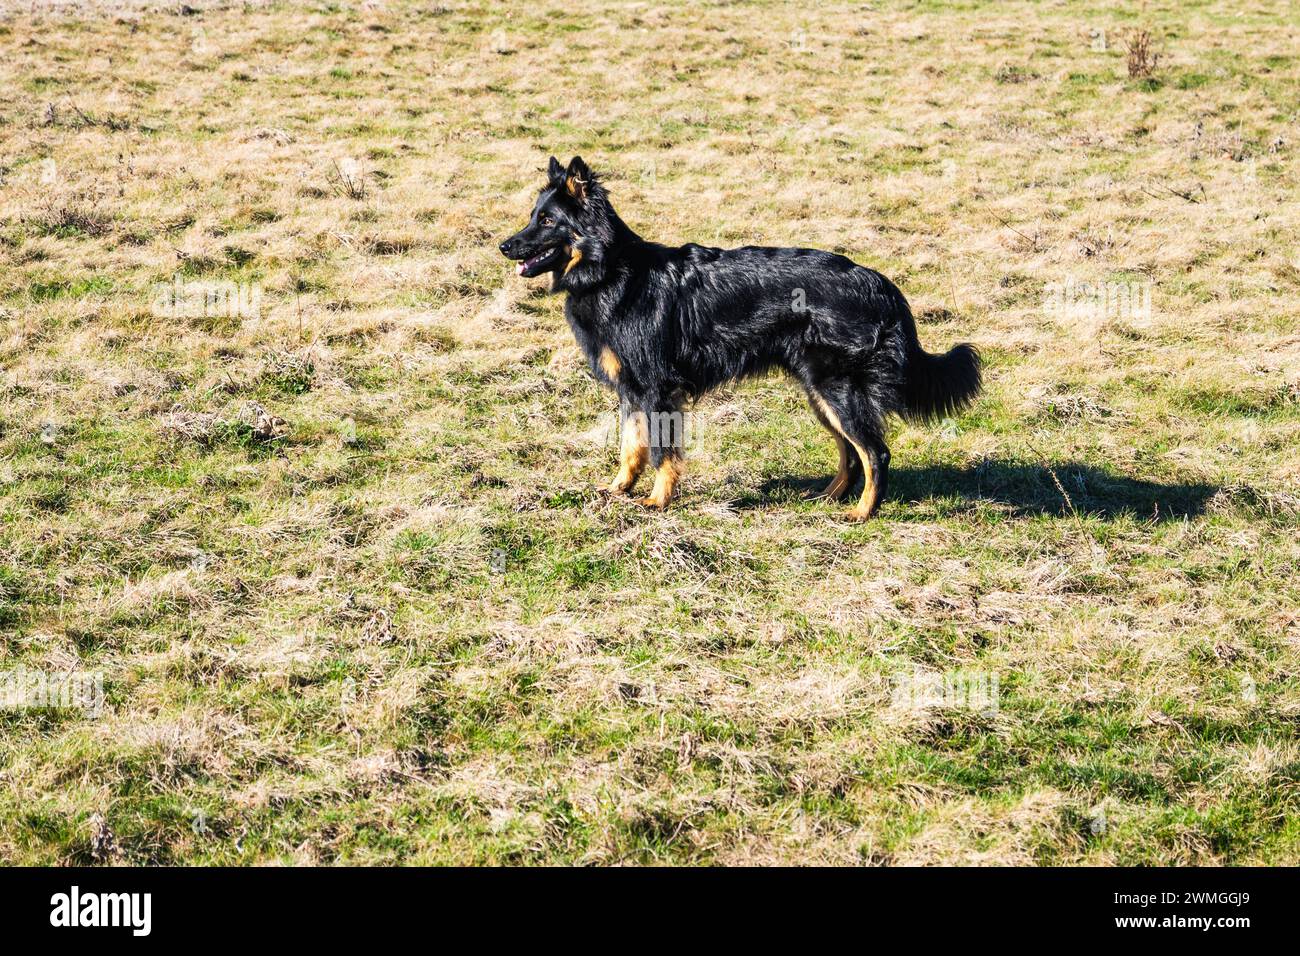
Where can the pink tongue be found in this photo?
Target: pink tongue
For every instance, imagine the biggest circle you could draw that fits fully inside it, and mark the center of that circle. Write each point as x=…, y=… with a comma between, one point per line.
x=519, y=269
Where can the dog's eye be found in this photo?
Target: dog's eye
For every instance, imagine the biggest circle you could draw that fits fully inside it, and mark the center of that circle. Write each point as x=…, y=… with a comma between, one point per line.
x=547, y=221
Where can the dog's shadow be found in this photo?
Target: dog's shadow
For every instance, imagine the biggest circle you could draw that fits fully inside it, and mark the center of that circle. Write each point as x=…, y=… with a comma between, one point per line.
x=1023, y=488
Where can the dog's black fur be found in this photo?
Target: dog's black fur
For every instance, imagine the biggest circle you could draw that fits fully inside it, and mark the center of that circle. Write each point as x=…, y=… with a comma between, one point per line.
x=664, y=324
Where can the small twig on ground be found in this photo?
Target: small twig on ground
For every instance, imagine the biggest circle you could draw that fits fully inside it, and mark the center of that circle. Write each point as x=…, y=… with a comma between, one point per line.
x=1060, y=487
x=1174, y=192
x=1013, y=229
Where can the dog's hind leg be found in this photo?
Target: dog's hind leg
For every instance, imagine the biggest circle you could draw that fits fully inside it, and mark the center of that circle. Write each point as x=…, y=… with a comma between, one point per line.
x=850, y=413
x=877, y=470
x=850, y=468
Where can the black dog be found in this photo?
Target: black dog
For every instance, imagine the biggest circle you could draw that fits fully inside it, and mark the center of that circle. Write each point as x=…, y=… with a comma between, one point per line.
x=662, y=325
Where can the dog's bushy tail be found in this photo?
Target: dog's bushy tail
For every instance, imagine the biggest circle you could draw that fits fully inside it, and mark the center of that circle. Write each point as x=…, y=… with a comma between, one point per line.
x=938, y=385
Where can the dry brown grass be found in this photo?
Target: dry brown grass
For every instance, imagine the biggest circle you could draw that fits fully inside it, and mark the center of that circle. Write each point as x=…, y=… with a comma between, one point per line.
x=1142, y=61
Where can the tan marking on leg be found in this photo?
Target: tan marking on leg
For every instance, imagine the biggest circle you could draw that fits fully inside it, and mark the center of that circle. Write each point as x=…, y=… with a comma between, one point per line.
x=609, y=363
x=666, y=478
x=867, y=504
x=863, y=509
x=840, y=483
x=633, y=453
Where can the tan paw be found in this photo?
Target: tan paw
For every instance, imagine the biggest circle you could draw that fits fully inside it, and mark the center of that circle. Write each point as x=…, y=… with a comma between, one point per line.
x=859, y=513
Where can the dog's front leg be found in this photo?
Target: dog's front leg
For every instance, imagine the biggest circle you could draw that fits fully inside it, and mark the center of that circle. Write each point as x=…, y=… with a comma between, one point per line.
x=634, y=447
x=667, y=443
x=668, y=471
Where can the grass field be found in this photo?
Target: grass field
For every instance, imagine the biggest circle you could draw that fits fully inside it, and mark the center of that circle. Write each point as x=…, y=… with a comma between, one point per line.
x=338, y=557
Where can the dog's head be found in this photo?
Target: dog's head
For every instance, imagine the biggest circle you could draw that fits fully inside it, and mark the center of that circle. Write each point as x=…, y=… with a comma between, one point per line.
x=570, y=227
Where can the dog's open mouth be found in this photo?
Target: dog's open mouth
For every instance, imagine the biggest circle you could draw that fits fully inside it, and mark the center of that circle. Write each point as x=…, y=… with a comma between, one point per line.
x=536, y=265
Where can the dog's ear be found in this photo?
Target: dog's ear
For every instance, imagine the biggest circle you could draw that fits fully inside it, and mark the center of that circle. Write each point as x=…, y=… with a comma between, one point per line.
x=555, y=171
x=577, y=179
